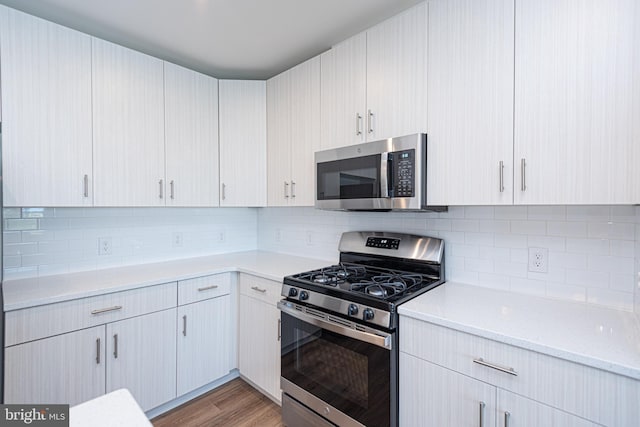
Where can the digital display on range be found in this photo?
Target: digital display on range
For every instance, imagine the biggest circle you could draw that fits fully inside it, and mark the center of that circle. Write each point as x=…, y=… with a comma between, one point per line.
x=383, y=242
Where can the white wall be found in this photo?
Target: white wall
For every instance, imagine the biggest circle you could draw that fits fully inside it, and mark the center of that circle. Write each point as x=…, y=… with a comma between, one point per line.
x=594, y=253
x=44, y=241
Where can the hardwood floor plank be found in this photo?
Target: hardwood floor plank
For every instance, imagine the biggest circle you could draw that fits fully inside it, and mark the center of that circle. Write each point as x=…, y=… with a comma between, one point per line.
x=234, y=404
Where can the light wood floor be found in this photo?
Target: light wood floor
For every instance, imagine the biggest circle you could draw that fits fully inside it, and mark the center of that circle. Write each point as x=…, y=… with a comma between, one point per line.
x=235, y=404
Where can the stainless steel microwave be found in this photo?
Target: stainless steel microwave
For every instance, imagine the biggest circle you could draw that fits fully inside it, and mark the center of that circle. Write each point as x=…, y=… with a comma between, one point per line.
x=390, y=174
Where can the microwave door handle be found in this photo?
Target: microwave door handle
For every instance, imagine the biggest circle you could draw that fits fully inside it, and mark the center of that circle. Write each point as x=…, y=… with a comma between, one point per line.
x=384, y=175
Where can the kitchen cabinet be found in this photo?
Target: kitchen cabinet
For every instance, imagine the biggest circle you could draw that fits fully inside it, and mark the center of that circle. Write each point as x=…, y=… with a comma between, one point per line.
x=293, y=115
x=470, y=102
x=243, y=142
x=206, y=331
x=128, y=127
x=577, y=70
x=374, y=84
x=191, y=140
x=46, y=105
x=259, y=334
x=67, y=368
x=141, y=357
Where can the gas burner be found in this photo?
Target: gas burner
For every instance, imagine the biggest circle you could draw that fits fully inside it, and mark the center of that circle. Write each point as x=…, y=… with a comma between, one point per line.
x=336, y=274
x=327, y=279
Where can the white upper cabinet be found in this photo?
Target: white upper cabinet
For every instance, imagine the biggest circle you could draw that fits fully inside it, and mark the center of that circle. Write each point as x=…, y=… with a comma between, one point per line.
x=243, y=143
x=397, y=75
x=470, y=93
x=46, y=104
x=577, y=103
x=128, y=127
x=191, y=146
x=343, y=93
x=293, y=112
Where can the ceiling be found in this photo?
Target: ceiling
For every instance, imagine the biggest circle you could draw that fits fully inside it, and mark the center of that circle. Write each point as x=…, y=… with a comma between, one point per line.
x=242, y=39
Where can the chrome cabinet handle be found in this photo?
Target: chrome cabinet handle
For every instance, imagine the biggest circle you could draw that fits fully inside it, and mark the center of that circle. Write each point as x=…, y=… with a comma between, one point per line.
x=507, y=418
x=106, y=310
x=482, y=406
x=358, y=124
x=224, y=187
x=86, y=186
x=160, y=186
x=286, y=190
x=293, y=189
x=370, y=121
x=255, y=288
x=501, y=168
x=510, y=371
x=279, y=329
x=523, y=175
x=206, y=288
x=184, y=325
x=115, y=346
x=171, y=185
x=98, y=351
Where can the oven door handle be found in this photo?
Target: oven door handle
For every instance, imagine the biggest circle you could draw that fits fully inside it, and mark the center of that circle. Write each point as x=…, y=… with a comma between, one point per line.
x=379, y=338
x=384, y=175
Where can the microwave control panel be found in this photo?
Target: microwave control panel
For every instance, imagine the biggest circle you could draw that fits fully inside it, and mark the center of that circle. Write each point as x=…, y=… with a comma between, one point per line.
x=403, y=173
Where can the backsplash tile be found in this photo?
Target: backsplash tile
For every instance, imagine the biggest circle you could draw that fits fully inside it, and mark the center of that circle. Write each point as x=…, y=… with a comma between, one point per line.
x=594, y=251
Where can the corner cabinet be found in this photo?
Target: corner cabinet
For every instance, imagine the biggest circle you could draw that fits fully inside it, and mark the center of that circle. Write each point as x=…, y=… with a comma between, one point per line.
x=46, y=109
x=191, y=140
x=374, y=85
x=243, y=142
x=128, y=127
x=293, y=124
x=259, y=331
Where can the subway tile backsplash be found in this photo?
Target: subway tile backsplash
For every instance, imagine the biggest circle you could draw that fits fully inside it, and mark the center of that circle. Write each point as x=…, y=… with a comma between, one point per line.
x=594, y=251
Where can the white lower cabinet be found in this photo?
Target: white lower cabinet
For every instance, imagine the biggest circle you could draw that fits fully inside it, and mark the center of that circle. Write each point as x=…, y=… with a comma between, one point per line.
x=141, y=357
x=259, y=347
x=204, y=343
x=67, y=368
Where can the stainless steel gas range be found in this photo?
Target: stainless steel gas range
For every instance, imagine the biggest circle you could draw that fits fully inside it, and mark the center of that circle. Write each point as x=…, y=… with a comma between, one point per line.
x=339, y=346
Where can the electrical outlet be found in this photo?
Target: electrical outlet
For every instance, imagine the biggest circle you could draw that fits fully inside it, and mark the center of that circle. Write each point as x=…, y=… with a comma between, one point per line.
x=278, y=235
x=538, y=260
x=105, y=246
x=309, y=238
x=177, y=239
x=221, y=236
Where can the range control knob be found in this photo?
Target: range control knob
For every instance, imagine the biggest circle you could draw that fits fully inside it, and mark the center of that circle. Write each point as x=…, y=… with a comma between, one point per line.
x=367, y=314
x=352, y=310
x=293, y=292
x=304, y=295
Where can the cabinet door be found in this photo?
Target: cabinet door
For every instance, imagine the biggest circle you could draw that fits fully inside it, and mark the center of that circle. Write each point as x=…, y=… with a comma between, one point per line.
x=260, y=344
x=305, y=130
x=67, y=368
x=204, y=343
x=128, y=127
x=141, y=354
x=470, y=137
x=343, y=93
x=243, y=143
x=46, y=101
x=518, y=411
x=397, y=75
x=577, y=73
x=191, y=146
x=434, y=396
x=279, y=139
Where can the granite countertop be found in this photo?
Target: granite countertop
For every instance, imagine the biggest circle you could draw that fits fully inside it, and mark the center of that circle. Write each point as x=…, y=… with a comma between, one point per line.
x=31, y=292
x=595, y=336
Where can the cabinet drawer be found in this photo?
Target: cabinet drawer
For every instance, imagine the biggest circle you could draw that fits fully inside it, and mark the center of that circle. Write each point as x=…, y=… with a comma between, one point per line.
x=52, y=319
x=578, y=389
x=202, y=288
x=262, y=289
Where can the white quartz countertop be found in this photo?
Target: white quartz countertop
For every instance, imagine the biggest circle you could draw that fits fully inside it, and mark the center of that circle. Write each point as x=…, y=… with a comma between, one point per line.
x=594, y=336
x=30, y=292
x=115, y=409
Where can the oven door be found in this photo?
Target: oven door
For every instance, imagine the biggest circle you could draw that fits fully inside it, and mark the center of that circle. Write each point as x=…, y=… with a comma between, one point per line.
x=347, y=375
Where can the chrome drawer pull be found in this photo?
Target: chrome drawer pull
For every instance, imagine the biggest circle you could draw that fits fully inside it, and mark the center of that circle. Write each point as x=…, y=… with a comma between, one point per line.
x=255, y=288
x=510, y=371
x=206, y=288
x=106, y=310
